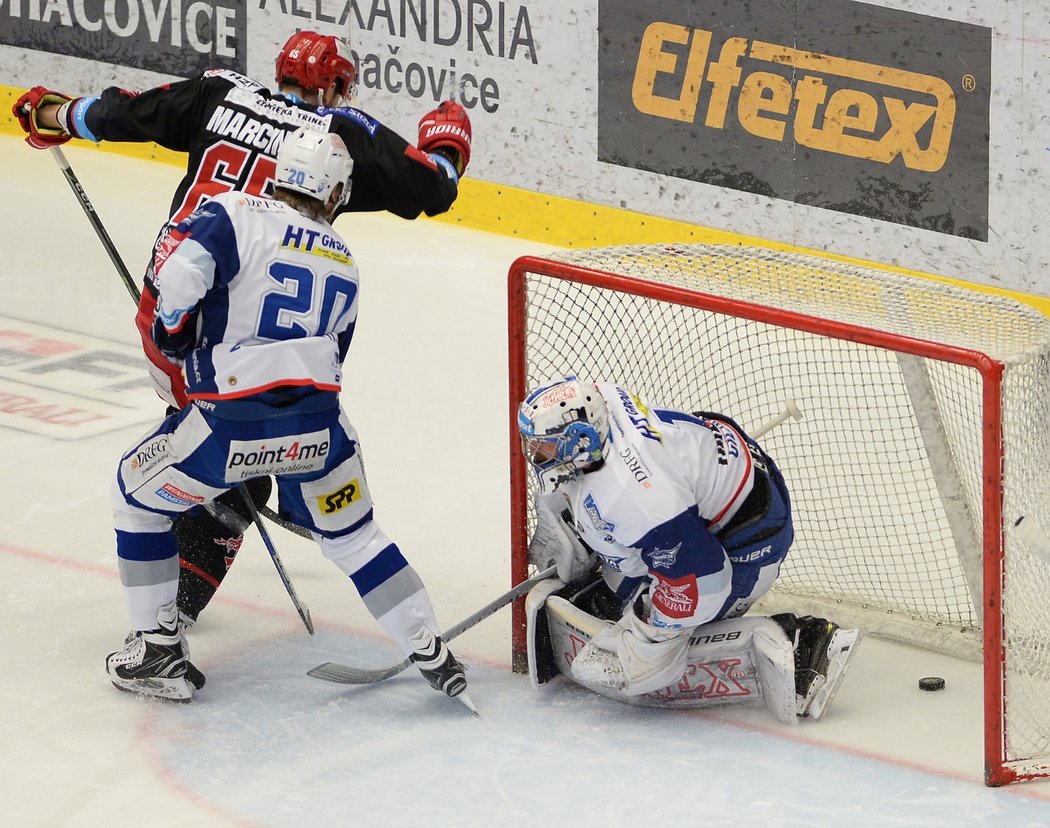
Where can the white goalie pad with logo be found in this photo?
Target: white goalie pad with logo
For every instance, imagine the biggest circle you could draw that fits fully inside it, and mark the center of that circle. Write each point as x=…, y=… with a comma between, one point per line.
x=741, y=660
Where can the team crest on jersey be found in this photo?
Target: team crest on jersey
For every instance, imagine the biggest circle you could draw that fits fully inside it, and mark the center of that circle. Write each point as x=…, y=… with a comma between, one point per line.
x=600, y=523
x=665, y=558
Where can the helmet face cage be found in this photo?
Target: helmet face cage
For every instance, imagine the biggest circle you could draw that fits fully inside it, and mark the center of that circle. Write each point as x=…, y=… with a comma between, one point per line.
x=317, y=63
x=564, y=426
x=313, y=163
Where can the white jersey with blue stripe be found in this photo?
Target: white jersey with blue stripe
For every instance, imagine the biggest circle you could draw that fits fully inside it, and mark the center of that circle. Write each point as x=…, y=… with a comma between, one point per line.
x=276, y=292
x=669, y=482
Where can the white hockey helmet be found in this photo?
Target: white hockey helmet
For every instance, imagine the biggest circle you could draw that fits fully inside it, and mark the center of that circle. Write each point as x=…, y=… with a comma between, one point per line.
x=312, y=162
x=564, y=427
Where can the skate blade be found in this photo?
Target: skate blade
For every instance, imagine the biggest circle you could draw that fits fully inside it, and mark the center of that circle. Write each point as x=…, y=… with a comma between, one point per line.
x=174, y=690
x=467, y=702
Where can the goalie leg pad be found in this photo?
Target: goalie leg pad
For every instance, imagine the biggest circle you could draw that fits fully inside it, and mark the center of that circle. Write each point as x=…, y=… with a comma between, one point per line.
x=724, y=662
x=775, y=665
x=542, y=664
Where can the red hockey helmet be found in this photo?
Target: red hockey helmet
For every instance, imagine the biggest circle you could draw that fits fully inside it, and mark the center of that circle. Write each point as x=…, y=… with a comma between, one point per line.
x=316, y=62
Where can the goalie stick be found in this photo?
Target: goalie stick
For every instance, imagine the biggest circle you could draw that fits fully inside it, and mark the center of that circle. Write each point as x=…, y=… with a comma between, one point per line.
x=133, y=290
x=346, y=674
x=1033, y=537
x=790, y=412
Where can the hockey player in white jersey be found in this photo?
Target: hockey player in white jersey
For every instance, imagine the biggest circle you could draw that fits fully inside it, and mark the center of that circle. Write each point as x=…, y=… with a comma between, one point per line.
x=688, y=521
x=259, y=297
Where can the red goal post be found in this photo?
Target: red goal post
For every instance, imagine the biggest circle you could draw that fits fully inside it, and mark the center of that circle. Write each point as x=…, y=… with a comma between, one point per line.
x=926, y=435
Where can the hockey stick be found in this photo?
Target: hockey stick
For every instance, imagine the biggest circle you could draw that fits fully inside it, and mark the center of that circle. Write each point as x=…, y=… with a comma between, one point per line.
x=273, y=517
x=345, y=674
x=304, y=613
x=133, y=290
x=1033, y=537
x=790, y=412
x=96, y=222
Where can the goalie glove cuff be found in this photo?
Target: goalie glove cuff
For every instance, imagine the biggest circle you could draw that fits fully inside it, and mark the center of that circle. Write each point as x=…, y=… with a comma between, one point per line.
x=557, y=543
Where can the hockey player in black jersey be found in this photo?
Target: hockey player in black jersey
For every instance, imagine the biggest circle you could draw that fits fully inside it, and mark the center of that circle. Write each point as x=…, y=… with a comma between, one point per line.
x=231, y=128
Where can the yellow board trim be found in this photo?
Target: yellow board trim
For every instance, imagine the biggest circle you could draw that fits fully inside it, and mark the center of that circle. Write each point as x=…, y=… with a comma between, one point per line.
x=561, y=222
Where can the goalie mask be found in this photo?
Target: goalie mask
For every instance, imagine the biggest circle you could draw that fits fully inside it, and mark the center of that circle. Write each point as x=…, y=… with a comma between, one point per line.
x=313, y=163
x=564, y=427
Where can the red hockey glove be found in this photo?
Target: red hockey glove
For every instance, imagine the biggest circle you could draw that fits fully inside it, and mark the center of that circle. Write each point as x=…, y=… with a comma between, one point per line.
x=26, y=111
x=447, y=127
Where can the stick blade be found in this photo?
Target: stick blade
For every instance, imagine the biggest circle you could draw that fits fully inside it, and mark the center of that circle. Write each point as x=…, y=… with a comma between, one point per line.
x=345, y=674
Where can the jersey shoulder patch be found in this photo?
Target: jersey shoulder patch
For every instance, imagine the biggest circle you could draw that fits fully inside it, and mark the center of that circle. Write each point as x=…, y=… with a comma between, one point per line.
x=370, y=124
x=235, y=78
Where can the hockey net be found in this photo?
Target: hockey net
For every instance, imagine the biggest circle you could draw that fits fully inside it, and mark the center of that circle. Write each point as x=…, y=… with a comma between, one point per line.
x=925, y=436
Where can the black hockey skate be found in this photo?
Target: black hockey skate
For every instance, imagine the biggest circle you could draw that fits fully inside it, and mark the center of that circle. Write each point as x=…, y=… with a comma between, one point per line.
x=439, y=667
x=156, y=662
x=823, y=652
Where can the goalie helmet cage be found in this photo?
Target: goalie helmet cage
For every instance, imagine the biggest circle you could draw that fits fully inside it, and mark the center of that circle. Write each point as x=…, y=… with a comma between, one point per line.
x=925, y=436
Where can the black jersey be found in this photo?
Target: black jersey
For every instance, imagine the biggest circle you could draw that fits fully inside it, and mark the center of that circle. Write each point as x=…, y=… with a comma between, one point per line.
x=231, y=127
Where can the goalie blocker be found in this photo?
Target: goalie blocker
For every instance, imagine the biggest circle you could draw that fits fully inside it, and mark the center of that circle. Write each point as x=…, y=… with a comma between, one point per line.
x=742, y=660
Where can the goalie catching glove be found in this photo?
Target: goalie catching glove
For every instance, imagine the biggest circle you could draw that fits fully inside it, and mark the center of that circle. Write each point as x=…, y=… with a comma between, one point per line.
x=555, y=542
x=633, y=656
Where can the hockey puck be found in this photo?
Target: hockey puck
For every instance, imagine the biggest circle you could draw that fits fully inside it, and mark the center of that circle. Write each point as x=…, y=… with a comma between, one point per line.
x=931, y=683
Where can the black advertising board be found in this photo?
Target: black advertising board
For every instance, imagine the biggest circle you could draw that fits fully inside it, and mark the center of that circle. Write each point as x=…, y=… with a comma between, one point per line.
x=172, y=37
x=830, y=103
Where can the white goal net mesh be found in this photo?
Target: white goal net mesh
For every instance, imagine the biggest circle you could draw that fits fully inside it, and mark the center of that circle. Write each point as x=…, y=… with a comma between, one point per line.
x=886, y=469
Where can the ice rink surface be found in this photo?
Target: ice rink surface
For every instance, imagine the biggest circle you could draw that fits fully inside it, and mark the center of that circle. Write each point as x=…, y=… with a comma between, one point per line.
x=263, y=744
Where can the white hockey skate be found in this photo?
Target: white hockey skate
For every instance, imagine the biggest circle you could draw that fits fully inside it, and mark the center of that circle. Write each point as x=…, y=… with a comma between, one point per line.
x=439, y=667
x=156, y=662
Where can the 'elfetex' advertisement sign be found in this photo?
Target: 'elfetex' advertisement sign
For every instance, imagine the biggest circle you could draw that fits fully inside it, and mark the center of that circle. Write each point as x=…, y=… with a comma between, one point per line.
x=830, y=103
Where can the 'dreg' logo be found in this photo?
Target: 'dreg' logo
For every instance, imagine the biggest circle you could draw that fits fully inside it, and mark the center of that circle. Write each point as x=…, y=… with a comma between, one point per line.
x=791, y=85
x=339, y=499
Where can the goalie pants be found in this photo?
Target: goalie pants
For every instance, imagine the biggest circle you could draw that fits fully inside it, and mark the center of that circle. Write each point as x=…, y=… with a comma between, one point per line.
x=312, y=451
x=758, y=546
